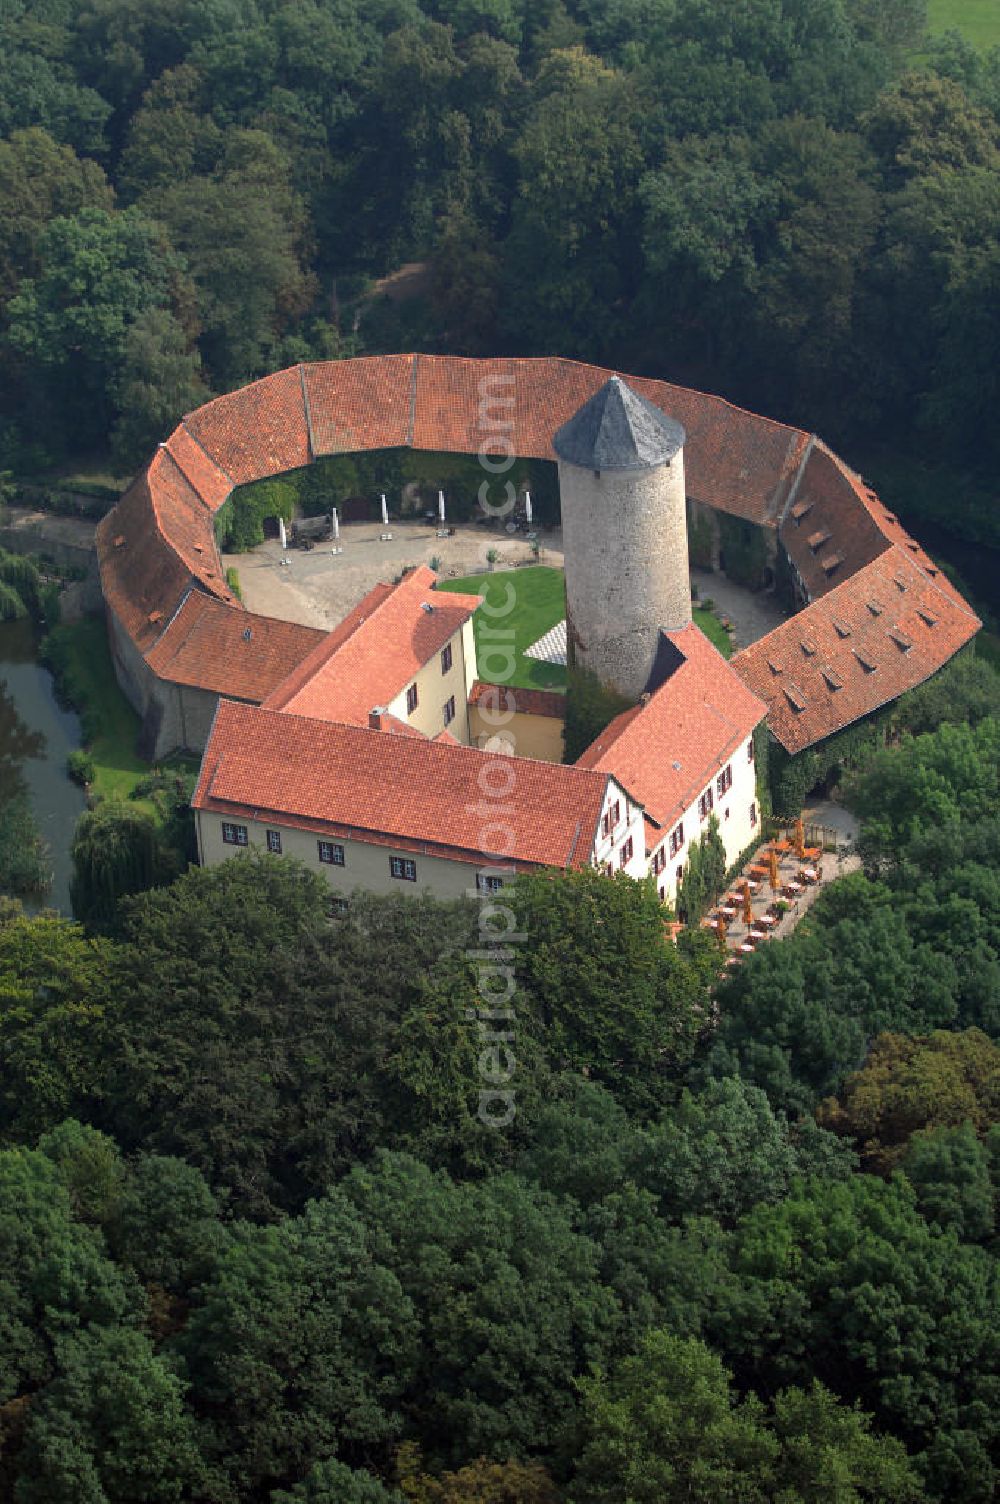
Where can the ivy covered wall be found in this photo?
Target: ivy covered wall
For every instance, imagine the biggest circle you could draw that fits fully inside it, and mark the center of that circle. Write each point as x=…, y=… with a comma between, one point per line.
x=361, y=478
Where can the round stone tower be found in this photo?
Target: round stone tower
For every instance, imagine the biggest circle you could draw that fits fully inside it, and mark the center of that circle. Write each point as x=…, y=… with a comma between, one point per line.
x=624, y=523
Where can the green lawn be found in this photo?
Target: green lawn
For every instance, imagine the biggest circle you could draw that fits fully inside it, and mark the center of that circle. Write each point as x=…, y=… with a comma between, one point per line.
x=977, y=20
x=540, y=605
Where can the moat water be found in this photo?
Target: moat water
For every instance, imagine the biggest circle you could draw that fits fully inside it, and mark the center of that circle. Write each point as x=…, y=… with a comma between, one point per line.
x=36, y=737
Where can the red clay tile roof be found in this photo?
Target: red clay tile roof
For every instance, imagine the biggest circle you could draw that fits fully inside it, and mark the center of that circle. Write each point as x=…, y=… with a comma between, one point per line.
x=360, y=404
x=258, y=431
x=838, y=533
x=834, y=686
x=210, y=645
x=182, y=516
x=735, y=461
x=212, y=484
x=386, y=646
x=546, y=702
x=351, y=781
x=141, y=573
x=669, y=749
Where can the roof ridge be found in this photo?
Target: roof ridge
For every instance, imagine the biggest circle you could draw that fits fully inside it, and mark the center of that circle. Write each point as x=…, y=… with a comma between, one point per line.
x=195, y=440
x=796, y=484
x=308, y=412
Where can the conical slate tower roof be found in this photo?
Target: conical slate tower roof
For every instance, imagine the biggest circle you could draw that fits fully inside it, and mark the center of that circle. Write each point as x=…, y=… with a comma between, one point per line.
x=618, y=430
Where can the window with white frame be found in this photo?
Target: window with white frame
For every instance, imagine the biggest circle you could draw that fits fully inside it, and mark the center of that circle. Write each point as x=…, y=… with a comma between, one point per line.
x=678, y=875
x=724, y=782
x=750, y=750
x=705, y=804
x=331, y=852
x=411, y=699
x=403, y=868
x=338, y=907
x=753, y=814
x=677, y=838
x=234, y=835
x=625, y=855
x=449, y=711
x=611, y=817
x=446, y=659
x=487, y=882
x=659, y=861
x=274, y=841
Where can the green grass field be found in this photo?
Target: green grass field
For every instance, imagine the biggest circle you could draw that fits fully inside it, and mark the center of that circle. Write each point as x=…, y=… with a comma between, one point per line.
x=977, y=20
x=540, y=605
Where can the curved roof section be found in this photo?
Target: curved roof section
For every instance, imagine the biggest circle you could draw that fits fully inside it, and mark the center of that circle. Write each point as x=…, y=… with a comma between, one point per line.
x=211, y=645
x=158, y=543
x=616, y=429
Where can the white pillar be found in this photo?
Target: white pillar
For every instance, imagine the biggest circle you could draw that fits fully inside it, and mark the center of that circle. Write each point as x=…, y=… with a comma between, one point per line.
x=441, y=505
x=335, y=522
x=385, y=512
x=527, y=507
x=281, y=532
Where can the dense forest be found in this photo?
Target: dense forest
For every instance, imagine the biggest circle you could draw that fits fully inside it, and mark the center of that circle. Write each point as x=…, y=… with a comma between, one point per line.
x=793, y=202
x=738, y=1239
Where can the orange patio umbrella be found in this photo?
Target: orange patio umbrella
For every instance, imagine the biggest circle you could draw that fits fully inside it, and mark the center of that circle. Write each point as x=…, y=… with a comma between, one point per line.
x=720, y=927
x=747, y=906
x=772, y=861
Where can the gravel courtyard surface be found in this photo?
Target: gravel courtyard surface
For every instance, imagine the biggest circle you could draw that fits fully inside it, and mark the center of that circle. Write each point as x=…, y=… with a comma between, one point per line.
x=753, y=613
x=319, y=587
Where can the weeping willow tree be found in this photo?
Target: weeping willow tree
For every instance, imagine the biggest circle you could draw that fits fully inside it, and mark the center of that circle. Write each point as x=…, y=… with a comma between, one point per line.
x=115, y=852
x=20, y=587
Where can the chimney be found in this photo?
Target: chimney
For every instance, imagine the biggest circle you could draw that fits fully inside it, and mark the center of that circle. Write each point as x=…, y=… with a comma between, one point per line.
x=375, y=718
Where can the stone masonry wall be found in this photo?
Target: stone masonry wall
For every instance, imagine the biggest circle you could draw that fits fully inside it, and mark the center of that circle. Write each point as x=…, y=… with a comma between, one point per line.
x=626, y=558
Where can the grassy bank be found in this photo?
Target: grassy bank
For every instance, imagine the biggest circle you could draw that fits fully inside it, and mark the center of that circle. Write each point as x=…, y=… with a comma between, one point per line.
x=80, y=658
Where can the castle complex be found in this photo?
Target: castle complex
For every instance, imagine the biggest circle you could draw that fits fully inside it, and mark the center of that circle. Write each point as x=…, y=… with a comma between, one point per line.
x=375, y=752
